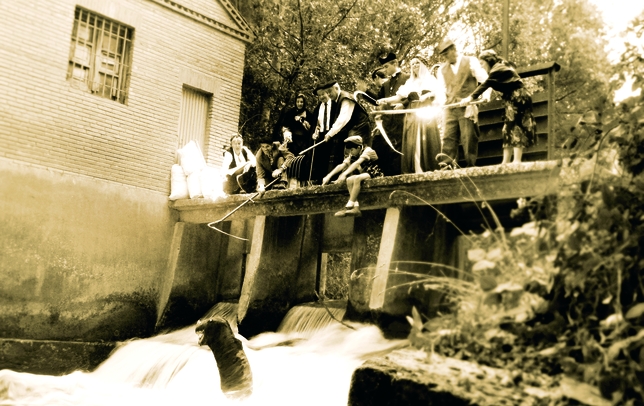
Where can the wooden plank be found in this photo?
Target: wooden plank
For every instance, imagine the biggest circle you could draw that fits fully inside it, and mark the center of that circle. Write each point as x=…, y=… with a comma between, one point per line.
x=494, y=116
x=495, y=133
x=539, y=69
x=551, y=114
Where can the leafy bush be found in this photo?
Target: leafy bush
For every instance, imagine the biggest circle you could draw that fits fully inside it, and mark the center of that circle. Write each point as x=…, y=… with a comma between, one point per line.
x=565, y=292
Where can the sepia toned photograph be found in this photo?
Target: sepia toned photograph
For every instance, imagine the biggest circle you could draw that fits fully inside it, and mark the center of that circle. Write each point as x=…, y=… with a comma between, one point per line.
x=322, y=203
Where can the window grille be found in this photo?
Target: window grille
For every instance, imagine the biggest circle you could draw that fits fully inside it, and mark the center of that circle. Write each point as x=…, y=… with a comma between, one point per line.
x=100, y=55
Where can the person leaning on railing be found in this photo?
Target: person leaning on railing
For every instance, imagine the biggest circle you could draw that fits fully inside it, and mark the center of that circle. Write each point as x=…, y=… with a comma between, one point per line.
x=519, y=126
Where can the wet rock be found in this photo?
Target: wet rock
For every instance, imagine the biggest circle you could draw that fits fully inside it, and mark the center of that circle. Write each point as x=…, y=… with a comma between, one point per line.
x=413, y=377
x=236, y=378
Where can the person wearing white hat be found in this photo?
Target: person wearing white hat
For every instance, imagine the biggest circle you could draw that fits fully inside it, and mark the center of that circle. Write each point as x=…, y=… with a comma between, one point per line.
x=360, y=164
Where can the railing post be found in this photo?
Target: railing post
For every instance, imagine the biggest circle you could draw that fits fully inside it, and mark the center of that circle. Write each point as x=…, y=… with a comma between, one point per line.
x=551, y=113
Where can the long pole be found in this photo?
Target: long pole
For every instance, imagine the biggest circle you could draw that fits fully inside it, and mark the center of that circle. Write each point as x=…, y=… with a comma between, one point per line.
x=406, y=111
x=311, y=147
x=250, y=199
x=505, y=28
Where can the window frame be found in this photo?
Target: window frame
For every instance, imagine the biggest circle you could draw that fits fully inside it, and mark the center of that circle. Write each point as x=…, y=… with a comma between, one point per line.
x=100, y=55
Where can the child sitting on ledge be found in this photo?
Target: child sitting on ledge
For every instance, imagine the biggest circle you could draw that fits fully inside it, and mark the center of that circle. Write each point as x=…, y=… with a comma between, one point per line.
x=359, y=164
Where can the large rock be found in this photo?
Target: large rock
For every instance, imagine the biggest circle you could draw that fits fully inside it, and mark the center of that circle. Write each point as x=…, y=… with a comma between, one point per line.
x=412, y=377
x=236, y=378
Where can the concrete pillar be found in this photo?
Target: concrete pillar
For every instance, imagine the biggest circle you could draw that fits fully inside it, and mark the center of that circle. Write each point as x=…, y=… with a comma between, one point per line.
x=281, y=270
x=232, y=263
x=390, y=234
x=409, y=239
x=406, y=236
x=188, y=287
x=168, y=278
x=367, y=233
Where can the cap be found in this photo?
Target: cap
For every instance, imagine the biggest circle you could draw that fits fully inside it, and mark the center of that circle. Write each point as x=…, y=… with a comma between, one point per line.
x=354, y=139
x=387, y=57
x=443, y=46
x=326, y=85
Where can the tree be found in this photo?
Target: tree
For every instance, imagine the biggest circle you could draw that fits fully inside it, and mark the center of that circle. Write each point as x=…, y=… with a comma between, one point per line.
x=302, y=42
x=569, y=32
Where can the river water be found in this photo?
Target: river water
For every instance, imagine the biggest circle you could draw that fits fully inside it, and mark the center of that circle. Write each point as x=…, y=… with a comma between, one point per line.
x=172, y=369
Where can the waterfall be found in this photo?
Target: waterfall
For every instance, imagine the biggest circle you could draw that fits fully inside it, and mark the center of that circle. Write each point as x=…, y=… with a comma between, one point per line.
x=309, y=360
x=310, y=317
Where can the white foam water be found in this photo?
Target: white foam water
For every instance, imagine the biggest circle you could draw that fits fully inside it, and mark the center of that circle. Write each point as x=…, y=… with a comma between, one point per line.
x=172, y=369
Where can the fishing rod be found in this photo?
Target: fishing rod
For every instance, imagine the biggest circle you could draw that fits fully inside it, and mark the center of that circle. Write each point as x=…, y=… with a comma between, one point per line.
x=312, y=147
x=422, y=109
x=250, y=199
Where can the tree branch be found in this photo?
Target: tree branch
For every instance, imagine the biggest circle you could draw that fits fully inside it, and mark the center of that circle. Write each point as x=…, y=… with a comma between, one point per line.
x=299, y=11
x=567, y=94
x=342, y=18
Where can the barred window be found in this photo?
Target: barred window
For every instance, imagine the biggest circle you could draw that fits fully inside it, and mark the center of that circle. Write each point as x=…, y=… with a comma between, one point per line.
x=100, y=55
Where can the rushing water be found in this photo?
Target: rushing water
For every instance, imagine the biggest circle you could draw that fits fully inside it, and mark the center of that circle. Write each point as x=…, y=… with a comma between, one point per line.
x=172, y=369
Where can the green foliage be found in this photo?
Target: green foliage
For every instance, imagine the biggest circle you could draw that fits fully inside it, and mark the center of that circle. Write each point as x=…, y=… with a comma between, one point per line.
x=564, y=294
x=300, y=43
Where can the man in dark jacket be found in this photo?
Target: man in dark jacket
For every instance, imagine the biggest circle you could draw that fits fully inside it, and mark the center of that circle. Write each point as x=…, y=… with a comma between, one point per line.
x=392, y=124
x=348, y=117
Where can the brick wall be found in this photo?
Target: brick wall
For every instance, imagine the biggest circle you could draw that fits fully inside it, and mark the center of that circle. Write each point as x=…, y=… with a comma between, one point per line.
x=45, y=120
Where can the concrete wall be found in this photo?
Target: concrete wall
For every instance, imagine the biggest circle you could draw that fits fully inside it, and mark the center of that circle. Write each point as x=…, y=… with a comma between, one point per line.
x=79, y=257
x=84, y=219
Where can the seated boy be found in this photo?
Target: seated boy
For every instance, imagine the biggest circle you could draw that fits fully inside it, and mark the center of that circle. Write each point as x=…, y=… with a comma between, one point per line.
x=359, y=164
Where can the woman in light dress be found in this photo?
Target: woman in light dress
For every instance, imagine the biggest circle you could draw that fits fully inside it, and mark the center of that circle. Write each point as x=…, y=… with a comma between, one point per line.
x=421, y=136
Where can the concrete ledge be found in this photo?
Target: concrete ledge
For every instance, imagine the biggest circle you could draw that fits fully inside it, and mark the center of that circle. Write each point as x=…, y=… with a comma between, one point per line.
x=490, y=183
x=412, y=377
x=52, y=357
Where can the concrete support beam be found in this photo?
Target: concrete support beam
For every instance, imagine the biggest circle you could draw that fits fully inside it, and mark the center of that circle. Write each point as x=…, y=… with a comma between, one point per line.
x=252, y=266
x=281, y=270
x=189, y=284
x=405, y=245
x=168, y=277
x=232, y=263
x=390, y=234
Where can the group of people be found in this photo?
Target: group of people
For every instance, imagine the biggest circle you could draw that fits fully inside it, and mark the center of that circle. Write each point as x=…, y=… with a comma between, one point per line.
x=345, y=141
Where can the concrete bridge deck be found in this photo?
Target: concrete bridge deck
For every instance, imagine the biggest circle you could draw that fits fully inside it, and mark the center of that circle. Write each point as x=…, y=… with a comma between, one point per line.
x=490, y=183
